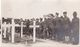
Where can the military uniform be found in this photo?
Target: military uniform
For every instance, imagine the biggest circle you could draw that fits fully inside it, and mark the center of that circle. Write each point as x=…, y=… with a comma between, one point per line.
x=27, y=27
x=51, y=27
x=61, y=29
x=31, y=29
x=75, y=29
x=66, y=25
x=45, y=29
x=57, y=28
x=67, y=30
x=37, y=29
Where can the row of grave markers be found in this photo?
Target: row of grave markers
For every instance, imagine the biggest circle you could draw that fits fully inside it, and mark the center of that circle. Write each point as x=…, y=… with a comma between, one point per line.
x=34, y=26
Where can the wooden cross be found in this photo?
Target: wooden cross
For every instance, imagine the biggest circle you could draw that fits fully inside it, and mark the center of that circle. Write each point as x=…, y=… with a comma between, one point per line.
x=21, y=28
x=5, y=28
x=13, y=30
x=34, y=26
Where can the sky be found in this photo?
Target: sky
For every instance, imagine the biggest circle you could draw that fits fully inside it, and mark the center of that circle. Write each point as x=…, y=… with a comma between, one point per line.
x=37, y=8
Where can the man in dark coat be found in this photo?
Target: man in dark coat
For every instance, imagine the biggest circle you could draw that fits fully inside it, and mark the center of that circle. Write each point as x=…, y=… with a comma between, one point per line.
x=57, y=27
x=37, y=29
x=27, y=27
x=66, y=26
x=75, y=28
x=51, y=26
x=61, y=29
x=40, y=28
x=45, y=29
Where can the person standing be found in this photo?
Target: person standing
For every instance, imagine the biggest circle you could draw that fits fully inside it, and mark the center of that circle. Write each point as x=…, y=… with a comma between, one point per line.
x=61, y=31
x=75, y=28
x=51, y=26
x=57, y=27
x=66, y=27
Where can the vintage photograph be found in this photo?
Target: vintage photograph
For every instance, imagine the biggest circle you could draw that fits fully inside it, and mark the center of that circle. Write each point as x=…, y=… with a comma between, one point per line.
x=40, y=23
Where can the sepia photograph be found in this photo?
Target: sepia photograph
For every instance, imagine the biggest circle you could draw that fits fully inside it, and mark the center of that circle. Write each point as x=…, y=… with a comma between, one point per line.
x=39, y=23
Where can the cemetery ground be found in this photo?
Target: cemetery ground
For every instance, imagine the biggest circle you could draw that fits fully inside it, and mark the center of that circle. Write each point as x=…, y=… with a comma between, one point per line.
x=27, y=42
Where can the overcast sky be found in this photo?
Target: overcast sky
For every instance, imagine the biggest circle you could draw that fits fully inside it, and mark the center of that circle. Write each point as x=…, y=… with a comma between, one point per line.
x=38, y=8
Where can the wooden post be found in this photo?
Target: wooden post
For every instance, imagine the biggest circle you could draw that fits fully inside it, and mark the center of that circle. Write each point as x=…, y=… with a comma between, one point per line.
x=9, y=31
x=13, y=31
x=5, y=28
x=21, y=29
x=34, y=26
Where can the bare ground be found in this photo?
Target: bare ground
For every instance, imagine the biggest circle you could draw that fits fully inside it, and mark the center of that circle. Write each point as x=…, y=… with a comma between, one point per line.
x=39, y=43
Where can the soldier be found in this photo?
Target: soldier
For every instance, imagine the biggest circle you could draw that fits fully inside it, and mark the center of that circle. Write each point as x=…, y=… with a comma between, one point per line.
x=66, y=27
x=27, y=27
x=75, y=28
x=57, y=27
x=45, y=29
x=61, y=34
x=51, y=26
x=41, y=28
x=37, y=29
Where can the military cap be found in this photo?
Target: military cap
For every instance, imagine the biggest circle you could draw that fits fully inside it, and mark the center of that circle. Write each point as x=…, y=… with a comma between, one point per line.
x=65, y=12
x=51, y=15
x=74, y=13
x=57, y=13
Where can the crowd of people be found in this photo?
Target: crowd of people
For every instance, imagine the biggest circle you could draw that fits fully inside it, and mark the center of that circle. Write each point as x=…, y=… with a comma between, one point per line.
x=54, y=27
x=60, y=28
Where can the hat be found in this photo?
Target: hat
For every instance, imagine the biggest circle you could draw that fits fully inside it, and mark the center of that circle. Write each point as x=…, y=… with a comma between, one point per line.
x=51, y=15
x=57, y=13
x=65, y=12
x=75, y=13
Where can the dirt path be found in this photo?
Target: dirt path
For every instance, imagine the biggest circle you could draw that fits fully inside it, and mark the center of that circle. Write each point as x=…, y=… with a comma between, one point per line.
x=40, y=43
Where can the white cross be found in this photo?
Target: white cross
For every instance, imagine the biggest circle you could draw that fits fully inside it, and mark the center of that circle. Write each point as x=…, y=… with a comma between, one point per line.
x=9, y=31
x=21, y=28
x=8, y=25
x=13, y=32
x=34, y=26
x=13, y=29
x=4, y=29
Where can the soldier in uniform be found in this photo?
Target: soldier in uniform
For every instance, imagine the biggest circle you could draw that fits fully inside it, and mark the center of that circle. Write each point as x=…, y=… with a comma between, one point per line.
x=31, y=29
x=27, y=27
x=40, y=28
x=66, y=27
x=57, y=26
x=45, y=29
x=75, y=28
x=61, y=32
x=51, y=26
x=37, y=29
